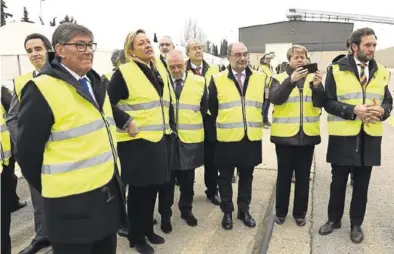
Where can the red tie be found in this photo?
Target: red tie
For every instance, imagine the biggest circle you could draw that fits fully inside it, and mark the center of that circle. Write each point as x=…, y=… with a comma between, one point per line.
x=239, y=79
x=198, y=71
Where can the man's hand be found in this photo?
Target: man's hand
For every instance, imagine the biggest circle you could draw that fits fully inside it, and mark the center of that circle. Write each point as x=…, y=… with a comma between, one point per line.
x=317, y=79
x=133, y=130
x=361, y=111
x=374, y=112
x=298, y=74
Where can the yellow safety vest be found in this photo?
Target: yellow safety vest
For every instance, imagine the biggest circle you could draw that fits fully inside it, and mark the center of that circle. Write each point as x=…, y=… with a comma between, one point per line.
x=239, y=114
x=212, y=70
x=349, y=91
x=5, y=142
x=297, y=111
x=188, y=116
x=148, y=109
x=20, y=82
x=266, y=69
x=80, y=153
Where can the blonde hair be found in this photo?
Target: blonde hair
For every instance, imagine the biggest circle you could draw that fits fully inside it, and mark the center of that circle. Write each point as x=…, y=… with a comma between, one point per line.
x=128, y=44
x=296, y=48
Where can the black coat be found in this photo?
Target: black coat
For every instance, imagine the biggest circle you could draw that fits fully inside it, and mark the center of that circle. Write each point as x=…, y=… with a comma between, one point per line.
x=244, y=152
x=143, y=163
x=360, y=150
x=82, y=218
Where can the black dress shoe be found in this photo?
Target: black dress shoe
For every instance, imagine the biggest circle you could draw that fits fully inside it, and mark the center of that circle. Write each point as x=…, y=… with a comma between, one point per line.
x=123, y=232
x=35, y=246
x=190, y=219
x=18, y=205
x=247, y=219
x=155, y=239
x=144, y=248
x=356, y=234
x=227, y=222
x=166, y=226
x=300, y=222
x=215, y=200
x=280, y=220
x=329, y=227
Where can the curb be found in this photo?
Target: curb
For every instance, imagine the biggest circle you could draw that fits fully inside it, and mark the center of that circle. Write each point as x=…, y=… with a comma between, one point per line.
x=265, y=230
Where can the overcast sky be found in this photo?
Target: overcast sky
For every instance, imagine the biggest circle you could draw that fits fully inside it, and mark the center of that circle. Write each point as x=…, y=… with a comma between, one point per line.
x=218, y=18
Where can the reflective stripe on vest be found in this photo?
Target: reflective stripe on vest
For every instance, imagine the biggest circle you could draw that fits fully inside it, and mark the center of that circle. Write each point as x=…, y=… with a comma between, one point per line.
x=239, y=115
x=349, y=91
x=288, y=117
x=188, y=116
x=5, y=140
x=80, y=153
x=20, y=82
x=149, y=111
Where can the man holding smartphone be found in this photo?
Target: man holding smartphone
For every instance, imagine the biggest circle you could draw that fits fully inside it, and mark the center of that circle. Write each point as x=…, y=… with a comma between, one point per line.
x=297, y=95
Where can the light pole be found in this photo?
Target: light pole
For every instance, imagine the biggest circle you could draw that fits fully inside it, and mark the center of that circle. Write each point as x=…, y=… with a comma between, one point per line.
x=41, y=8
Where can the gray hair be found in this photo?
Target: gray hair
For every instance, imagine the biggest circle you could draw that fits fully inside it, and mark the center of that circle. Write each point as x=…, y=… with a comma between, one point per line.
x=175, y=53
x=189, y=42
x=115, y=57
x=67, y=31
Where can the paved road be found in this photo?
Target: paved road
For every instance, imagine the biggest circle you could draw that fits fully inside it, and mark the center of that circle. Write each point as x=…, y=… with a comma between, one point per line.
x=207, y=237
x=378, y=225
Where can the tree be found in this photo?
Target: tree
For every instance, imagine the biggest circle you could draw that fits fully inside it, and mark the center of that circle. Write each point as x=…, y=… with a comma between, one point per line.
x=3, y=13
x=25, y=17
x=155, y=38
x=223, y=48
x=207, y=47
x=68, y=19
x=215, y=51
x=192, y=31
x=53, y=22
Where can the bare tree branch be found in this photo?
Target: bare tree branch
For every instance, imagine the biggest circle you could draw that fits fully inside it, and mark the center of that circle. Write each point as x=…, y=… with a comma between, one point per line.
x=192, y=31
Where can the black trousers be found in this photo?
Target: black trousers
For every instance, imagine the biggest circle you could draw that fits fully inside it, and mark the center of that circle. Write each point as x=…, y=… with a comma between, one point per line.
x=107, y=245
x=140, y=206
x=244, y=188
x=361, y=177
x=13, y=181
x=266, y=107
x=6, y=207
x=210, y=170
x=291, y=159
x=186, y=187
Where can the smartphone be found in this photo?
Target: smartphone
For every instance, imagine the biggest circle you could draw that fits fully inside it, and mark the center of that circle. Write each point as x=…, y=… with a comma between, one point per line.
x=312, y=68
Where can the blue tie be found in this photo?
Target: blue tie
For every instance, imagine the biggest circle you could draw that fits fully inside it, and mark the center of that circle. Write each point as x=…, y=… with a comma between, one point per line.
x=84, y=84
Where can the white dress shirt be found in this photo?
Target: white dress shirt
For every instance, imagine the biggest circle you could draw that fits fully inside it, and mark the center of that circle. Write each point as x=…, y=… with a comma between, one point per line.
x=195, y=66
x=183, y=80
x=77, y=77
x=366, y=68
x=243, y=77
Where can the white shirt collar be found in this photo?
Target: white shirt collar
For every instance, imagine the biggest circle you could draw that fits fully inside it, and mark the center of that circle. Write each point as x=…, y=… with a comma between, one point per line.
x=358, y=62
x=195, y=66
x=183, y=78
x=75, y=75
x=235, y=73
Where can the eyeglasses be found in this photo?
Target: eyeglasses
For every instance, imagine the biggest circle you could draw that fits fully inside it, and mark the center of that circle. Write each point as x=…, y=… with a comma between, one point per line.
x=82, y=46
x=239, y=55
x=165, y=44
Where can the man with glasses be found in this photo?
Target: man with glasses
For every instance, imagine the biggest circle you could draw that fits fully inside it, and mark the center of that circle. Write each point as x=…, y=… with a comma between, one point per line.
x=68, y=154
x=235, y=101
x=198, y=66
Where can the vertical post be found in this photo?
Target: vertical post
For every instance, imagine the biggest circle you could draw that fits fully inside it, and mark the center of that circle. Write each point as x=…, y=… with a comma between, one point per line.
x=41, y=9
x=19, y=65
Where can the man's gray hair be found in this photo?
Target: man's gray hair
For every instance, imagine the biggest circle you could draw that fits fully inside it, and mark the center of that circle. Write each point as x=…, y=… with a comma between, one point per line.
x=67, y=31
x=115, y=57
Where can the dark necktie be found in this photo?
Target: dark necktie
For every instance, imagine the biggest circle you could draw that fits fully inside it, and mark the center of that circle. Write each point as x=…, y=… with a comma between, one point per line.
x=198, y=71
x=84, y=85
x=363, y=77
x=178, y=88
x=239, y=80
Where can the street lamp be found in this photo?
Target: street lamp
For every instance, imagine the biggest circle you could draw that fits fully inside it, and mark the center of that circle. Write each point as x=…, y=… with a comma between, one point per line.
x=41, y=8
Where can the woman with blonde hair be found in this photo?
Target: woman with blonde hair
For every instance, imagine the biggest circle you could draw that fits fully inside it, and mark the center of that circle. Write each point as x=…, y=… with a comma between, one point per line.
x=140, y=90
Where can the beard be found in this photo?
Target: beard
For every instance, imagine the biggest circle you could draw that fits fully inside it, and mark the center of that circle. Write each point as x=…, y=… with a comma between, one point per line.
x=363, y=57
